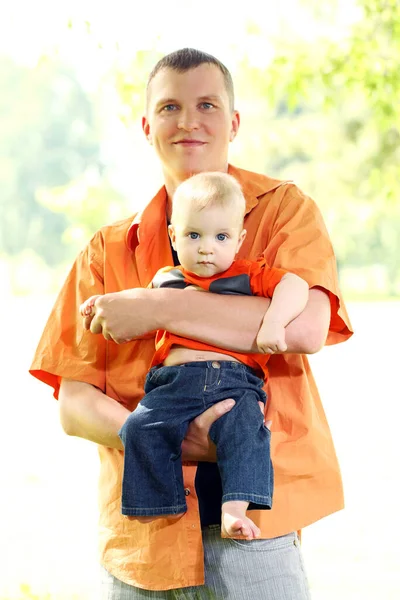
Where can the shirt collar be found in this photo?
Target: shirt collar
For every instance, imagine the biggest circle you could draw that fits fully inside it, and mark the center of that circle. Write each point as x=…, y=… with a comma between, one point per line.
x=153, y=215
x=254, y=185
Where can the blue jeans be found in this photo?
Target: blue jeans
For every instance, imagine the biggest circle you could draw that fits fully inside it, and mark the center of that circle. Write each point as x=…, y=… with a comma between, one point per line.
x=153, y=434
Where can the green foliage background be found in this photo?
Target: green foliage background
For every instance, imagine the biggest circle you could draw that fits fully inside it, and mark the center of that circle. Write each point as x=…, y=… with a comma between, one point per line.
x=323, y=112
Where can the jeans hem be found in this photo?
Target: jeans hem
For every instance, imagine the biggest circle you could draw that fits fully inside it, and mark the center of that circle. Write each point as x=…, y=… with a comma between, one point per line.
x=154, y=512
x=254, y=498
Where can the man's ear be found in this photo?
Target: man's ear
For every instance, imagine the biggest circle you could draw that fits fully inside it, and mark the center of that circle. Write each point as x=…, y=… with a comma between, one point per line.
x=171, y=233
x=146, y=130
x=235, y=125
x=242, y=237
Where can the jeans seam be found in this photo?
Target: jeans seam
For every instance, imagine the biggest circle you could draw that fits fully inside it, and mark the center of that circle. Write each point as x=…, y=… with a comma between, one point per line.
x=154, y=510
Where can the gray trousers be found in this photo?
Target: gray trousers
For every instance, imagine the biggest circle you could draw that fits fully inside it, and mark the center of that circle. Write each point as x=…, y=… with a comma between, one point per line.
x=234, y=570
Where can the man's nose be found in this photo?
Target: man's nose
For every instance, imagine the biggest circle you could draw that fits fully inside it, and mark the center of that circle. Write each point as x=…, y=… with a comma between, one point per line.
x=188, y=120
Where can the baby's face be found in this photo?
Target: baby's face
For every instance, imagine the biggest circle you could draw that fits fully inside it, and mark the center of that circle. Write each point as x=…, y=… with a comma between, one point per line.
x=207, y=240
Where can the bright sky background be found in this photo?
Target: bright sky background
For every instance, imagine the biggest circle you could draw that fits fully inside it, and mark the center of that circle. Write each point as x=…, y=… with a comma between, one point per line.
x=220, y=27
x=225, y=28
x=229, y=29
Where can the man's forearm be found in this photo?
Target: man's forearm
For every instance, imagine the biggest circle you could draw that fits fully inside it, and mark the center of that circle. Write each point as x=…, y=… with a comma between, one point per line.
x=232, y=322
x=88, y=413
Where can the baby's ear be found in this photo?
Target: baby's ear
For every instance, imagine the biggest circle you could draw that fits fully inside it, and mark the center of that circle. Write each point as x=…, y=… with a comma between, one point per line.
x=171, y=233
x=242, y=237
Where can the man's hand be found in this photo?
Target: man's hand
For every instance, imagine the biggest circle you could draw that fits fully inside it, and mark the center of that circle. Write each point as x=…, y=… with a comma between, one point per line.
x=121, y=316
x=271, y=337
x=197, y=445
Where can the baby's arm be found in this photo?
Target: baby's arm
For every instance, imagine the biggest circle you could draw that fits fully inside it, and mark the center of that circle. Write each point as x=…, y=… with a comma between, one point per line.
x=288, y=301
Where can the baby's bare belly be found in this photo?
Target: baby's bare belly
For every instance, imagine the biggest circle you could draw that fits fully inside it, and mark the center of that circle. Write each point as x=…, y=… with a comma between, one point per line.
x=179, y=355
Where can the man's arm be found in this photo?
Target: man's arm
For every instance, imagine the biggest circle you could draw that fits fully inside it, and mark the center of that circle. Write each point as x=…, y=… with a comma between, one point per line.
x=88, y=413
x=234, y=321
x=230, y=322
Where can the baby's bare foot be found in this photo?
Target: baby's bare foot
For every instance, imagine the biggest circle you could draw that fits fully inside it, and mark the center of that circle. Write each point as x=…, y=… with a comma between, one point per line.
x=235, y=523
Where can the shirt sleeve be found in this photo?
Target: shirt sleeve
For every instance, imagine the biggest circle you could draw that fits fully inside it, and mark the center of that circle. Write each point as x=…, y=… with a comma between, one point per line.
x=264, y=279
x=300, y=243
x=66, y=349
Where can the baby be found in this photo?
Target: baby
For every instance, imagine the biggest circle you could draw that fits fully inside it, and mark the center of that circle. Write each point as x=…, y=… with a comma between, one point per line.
x=188, y=376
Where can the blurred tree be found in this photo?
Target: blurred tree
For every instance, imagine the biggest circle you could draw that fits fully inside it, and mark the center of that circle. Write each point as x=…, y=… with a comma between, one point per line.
x=331, y=119
x=48, y=138
x=324, y=112
x=359, y=75
x=90, y=201
x=130, y=82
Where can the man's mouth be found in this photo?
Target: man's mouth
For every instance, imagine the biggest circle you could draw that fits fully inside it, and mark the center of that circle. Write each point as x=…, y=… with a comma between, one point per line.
x=189, y=142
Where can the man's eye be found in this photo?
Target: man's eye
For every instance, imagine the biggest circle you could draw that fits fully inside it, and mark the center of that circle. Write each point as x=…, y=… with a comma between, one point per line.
x=207, y=105
x=221, y=237
x=193, y=235
x=169, y=107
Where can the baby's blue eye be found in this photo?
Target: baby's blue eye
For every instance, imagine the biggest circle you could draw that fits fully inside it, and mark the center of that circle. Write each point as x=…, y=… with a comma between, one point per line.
x=221, y=237
x=193, y=235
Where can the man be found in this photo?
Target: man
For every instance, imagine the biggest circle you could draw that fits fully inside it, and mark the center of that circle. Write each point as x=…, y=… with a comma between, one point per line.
x=190, y=121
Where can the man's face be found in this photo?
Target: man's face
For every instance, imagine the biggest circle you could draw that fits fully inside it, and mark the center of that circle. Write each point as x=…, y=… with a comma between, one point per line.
x=189, y=121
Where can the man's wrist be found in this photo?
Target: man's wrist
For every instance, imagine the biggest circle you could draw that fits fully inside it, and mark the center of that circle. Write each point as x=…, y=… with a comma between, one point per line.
x=163, y=307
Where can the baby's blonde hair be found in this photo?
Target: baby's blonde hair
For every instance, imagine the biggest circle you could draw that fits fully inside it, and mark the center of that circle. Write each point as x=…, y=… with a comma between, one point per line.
x=209, y=189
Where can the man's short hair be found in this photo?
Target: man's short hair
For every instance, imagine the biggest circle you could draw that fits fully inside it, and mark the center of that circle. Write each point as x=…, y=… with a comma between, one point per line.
x=209, y=189
x=186, y=59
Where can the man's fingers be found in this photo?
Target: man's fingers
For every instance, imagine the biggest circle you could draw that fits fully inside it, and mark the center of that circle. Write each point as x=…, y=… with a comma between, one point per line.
x=87, y=321
x=262, y=408
x=96, y=325
x=207, y=418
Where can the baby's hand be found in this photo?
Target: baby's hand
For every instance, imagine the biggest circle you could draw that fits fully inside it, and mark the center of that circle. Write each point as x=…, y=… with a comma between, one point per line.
x=86, y=309
x=271, y=338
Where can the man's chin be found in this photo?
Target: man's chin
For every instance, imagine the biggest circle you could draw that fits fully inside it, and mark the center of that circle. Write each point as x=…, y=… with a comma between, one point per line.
x=189, y=171
x=195, y=167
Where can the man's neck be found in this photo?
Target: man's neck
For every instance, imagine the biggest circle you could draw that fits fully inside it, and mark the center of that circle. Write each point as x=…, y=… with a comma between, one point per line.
x=170, y=185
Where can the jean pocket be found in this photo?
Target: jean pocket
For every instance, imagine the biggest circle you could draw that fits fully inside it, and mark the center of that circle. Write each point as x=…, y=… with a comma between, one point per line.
x=265, y=545
x=154, y=374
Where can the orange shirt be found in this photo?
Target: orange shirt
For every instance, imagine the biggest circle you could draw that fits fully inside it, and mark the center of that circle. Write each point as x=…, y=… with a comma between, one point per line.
x=286, y=227
x=245, y=277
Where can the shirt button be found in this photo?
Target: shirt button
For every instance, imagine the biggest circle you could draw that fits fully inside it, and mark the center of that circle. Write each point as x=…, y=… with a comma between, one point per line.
x=187, y=491
x=215, y=364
